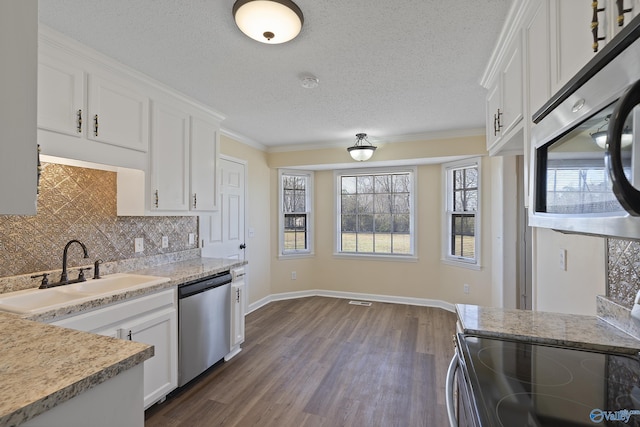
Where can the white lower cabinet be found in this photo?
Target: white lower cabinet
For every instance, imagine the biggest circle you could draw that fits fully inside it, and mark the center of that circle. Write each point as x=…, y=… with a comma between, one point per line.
x=150, y=319
x=237, y=315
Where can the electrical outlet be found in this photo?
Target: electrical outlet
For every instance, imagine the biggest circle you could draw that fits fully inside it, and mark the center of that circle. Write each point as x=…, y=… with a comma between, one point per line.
x=465, y=288
x=165, y=241
x=294, y=275
x=138, y=244
x=192, y=238
x=635, y=311
x=563, y=259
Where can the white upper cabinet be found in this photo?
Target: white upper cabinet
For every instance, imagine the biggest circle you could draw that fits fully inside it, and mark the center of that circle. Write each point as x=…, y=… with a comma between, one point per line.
x=61, y=97
x=118, y=113
x=204, y=160
x=504, y=103
x=169, y=158
x=538, y=68
x=18, y=146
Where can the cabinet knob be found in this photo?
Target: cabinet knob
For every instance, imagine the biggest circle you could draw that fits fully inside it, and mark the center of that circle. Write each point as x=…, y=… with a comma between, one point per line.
x=156, y=199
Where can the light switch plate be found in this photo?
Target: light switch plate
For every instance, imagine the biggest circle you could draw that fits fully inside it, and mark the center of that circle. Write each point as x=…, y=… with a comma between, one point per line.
x=635, y=311
x=192, y=238
x=165, y=241
x=138, y=244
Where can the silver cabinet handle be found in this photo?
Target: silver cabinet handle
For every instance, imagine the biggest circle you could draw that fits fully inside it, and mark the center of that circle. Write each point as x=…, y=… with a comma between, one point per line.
x=79, y=126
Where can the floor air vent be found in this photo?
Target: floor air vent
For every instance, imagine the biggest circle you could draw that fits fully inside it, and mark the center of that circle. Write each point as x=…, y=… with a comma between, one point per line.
x=362, y=303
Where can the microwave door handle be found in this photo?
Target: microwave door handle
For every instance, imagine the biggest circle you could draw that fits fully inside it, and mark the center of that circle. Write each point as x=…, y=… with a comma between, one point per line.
x=626, y=193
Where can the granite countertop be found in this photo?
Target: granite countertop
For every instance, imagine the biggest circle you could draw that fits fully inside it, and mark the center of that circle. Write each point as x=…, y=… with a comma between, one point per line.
x=572, y=330
x=177, y=272
x=42, y=365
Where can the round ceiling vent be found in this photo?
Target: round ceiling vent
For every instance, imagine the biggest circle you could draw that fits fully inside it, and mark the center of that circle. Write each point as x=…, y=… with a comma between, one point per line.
x=309, y=82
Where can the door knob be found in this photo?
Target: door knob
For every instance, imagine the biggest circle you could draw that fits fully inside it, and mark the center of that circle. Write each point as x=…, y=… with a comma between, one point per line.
x=243, y=246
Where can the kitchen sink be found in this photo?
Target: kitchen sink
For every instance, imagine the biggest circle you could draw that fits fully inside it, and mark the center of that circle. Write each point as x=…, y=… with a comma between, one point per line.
x=113, y=283
x=38, y=300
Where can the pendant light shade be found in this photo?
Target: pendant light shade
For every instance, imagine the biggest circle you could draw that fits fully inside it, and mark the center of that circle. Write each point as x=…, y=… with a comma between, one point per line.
x=600, y=138
x=268, y=21
x=362, y=150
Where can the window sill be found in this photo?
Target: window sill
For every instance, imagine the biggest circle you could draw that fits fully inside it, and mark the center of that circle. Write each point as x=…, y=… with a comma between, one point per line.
x=463, y=264
x=372, y=257
x=296, y=255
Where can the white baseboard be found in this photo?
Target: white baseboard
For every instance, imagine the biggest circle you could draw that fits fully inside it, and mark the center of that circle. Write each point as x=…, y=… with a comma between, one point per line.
x=352, y=295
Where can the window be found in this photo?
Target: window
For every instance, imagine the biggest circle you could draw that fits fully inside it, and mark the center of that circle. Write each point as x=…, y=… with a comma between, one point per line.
x=295, y=212
x=376, y=212
x=461, y=243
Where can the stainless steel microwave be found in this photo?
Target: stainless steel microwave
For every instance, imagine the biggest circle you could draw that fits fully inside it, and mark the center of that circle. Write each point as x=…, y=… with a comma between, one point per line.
x=585, y=147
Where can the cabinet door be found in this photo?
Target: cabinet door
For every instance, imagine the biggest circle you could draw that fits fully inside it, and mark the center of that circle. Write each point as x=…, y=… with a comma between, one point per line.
x=169, y=159
x=204, y=164
x=572, y=37
x=160, y=372
x=118, y=114
x=237, y=313
x=18, y=145
x=617, y=21
x=61, y=97
x=537, y=45
x=493, y=109
x=511, y=81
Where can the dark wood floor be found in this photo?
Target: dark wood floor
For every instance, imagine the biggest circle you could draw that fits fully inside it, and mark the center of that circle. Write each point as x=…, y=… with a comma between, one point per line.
x=322, y=362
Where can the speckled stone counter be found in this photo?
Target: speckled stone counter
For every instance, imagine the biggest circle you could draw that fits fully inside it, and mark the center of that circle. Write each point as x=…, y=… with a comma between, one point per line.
x=588, y=332
x=42, y=366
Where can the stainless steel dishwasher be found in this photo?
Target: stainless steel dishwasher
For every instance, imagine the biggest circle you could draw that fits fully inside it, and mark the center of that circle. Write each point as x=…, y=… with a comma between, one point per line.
x=204, y=324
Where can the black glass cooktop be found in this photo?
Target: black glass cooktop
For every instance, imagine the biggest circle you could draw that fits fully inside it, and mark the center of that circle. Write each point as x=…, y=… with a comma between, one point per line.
x=518, y=384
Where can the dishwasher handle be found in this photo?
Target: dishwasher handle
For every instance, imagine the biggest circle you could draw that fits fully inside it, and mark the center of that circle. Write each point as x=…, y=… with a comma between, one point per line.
x=196, y=287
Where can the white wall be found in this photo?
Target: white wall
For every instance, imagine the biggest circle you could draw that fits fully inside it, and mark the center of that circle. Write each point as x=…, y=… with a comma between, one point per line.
x=574, y=290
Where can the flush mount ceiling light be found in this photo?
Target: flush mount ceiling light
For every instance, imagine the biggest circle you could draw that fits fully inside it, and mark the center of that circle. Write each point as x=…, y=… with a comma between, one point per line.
x=268, y=21
x=600, y=136
x=359, y=151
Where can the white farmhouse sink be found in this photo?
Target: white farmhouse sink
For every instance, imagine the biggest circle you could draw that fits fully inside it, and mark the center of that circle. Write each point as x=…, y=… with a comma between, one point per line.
x=113, y=283
x=38, y=300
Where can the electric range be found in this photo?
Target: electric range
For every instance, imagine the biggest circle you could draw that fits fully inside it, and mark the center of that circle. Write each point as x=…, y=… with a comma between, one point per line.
x=520, y=384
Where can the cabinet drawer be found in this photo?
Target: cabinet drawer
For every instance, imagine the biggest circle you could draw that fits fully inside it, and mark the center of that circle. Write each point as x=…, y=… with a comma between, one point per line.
x=100, y=318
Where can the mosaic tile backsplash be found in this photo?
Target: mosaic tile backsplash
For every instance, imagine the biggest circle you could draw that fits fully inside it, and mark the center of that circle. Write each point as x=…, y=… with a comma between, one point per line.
x=79, y=203
x=623, y=271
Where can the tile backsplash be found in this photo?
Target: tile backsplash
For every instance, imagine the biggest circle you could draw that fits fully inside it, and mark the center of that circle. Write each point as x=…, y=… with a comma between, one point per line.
x=623, y=271
x=80, y=203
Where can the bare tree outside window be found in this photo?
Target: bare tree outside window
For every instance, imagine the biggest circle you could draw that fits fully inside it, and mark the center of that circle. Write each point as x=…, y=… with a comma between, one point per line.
x=295, y=211
x=463, y=205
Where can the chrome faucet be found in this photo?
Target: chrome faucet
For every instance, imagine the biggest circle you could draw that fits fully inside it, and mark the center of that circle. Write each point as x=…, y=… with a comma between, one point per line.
x=63, y=277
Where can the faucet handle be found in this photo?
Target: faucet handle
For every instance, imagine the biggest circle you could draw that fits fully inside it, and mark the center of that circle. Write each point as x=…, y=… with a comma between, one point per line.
x=96, y=269
x=81, y=273
x=45, y=281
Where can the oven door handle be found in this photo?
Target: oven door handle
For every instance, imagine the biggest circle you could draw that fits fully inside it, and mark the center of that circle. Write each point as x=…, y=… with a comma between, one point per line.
x=449, y=390
x=626, y=193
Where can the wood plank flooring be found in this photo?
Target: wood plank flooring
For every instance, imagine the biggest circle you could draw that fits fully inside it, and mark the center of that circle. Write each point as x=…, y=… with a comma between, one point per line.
x=322, y=362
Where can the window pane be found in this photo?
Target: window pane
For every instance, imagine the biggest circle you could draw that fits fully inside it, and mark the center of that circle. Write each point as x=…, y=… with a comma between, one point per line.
x=349, y=223
x=365, y=184
x=349, y=204
x=401, y=243
x=382, y=203
x=471, y=178
x=463, y=235
x=401, y=203
x=365, y=203
x=287, y=201
x=348, y=185
x=348, y=243
x=458, y=201
x=364, y=242
x=383, y=243
x=471, y=200
x=383, y=184
x=295, y=232
x=300, y=201
x=365, y=223
x=401, y=183
x=401, y=223
x=382, y=223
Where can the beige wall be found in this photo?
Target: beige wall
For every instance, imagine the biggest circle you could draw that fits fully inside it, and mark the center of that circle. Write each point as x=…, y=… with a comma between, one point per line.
x=426, y=278
x=574, y=290
x=258, y=215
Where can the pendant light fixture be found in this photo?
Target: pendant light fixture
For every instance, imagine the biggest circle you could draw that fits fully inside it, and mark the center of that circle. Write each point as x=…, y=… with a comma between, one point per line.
x=600, y=136
x=359, y=151
x=268, y=21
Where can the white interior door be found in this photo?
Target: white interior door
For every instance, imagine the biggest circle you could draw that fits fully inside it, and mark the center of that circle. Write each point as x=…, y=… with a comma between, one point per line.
x=222, y=233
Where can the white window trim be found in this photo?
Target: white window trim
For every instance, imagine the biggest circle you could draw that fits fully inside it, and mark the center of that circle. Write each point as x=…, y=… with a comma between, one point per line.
x=446, y=258
x=413, y=229
x=309, y=252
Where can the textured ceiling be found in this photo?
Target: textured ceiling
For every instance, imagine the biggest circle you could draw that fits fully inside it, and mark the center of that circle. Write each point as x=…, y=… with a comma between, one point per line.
x=388, y=68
